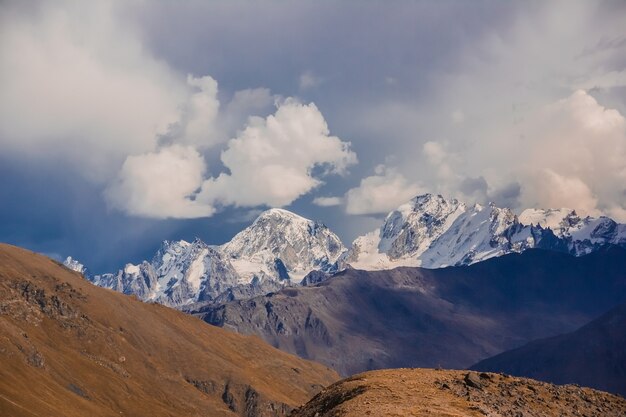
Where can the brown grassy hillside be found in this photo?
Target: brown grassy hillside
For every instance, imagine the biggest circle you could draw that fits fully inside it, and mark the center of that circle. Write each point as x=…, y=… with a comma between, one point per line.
x=68, y=348
x=429, y=392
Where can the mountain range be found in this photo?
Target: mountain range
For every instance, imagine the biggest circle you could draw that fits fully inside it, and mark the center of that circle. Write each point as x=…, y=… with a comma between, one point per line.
x=432, y=232
x=415, y=317
x=280, y=248
x=72, y=349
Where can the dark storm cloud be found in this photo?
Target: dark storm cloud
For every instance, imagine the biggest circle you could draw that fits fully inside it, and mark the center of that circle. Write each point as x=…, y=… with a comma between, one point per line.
x=507, y=196
x=54, y=211
x=474, y=187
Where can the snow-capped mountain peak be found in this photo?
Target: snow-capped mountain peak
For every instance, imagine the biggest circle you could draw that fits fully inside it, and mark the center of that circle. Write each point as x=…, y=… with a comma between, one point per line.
x=432, y=232
x=412, y=227
x=284, y=243
x=548, y=218
x=74, y=265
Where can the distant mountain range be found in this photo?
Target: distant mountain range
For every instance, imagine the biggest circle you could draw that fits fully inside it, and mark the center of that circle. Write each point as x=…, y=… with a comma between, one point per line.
x=592, y=356
x=280, y=248
x=432, y=232
x=414, y=317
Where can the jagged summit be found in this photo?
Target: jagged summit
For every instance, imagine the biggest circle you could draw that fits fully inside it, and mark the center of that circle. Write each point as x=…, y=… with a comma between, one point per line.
x=74, y=265
x=284, y=242
x=431, y=231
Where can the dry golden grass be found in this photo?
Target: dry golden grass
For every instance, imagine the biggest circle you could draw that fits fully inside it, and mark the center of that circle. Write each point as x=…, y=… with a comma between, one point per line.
x=445, y=393
x=68, y=348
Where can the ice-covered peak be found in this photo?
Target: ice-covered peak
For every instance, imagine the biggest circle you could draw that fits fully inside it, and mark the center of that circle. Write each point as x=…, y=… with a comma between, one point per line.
x=432, y=231
x=174, y=246
x=274, y=229
x=279, y=213
x=74, y=265
x=430, y=203
x=413, y=226
x=284, y=243
x=176, y=255
x=548, y=218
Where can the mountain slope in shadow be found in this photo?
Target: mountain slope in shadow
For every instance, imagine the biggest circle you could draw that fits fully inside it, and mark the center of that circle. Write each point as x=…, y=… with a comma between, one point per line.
x=413, y=317
x=593, y=356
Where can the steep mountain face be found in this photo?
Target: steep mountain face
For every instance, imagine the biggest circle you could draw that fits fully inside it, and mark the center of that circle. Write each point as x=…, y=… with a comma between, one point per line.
x=284, y=245
x=433, y=232
x=412, y=317
x=278, y=249
x=180, y=273
x=428, y=392
x=69, y=348
x=593, y=356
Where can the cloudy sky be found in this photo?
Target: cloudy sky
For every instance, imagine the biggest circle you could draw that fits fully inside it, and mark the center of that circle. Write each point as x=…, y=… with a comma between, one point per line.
x=126, y=123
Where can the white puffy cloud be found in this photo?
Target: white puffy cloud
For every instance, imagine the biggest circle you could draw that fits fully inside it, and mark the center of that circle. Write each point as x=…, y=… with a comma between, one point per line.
x=160, y=184
x=272, y=161
x=555, y=190
x=381, y=193
x=78, y=84
x=328, y=201
x=570, y=153
x=198, y=121
x=575, y=156
x=507, y=109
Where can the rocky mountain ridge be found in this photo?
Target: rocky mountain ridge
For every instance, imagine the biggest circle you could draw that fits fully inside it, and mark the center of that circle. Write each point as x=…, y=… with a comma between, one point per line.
x=432, y=232
x=430, y=392
x=280, y=248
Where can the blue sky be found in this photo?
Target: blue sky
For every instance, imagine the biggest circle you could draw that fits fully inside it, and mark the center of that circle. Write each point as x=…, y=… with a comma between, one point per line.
x=123, y=124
